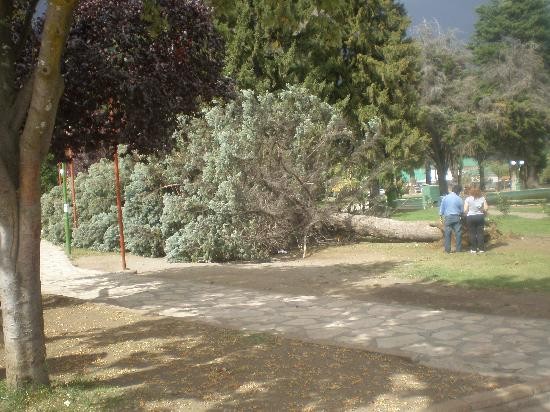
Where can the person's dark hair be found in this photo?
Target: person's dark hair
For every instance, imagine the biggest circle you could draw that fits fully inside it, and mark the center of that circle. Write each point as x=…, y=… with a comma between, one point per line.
x=457, y=189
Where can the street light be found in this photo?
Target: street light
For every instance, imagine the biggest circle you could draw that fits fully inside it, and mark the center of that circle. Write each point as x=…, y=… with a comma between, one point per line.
x=516, y=167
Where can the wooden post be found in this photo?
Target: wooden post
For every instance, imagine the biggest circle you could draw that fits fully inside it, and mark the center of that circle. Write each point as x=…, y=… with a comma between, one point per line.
x=73, y=194
x=119, y=211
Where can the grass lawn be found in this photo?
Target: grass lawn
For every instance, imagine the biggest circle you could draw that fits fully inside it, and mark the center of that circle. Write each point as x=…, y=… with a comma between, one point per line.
x=523, y=266
x=506, y=224
x=76, y=395
x=521, y=226
x=431, y=214
x=527, y=209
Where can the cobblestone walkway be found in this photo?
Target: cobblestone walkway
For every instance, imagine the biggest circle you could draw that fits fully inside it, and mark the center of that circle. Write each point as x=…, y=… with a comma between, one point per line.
x=441, y=338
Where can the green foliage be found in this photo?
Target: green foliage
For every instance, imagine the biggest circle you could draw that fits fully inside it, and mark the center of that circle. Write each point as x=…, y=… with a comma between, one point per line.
x=248, y=178
x=352, y=54
x=512, y=44
x=158, y=23
x=255, y=176
x=503, y=204
x=443, y=115
x=545, y=176
x=143, y=209
x=96, y=204
x=48, y=174
x=98, y=233
x=95, y=189
x=52, y=215
x=526, y=21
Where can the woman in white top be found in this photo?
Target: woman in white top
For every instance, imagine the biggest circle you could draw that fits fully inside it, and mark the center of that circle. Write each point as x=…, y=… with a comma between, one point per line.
x=475, y=207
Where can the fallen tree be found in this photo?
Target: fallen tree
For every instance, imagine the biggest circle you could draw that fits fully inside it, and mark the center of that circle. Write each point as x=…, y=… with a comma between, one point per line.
x=385, y=229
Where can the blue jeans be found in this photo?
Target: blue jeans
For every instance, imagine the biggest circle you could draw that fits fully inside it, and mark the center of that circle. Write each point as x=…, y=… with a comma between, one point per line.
x=453, y=224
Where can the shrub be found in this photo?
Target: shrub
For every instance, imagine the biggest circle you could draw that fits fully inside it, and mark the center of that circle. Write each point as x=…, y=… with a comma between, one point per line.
x=503, y=204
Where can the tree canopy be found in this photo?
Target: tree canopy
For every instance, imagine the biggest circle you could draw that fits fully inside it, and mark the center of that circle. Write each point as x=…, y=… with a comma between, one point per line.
x=130, y=67
x=353, y=54
x=499, y=20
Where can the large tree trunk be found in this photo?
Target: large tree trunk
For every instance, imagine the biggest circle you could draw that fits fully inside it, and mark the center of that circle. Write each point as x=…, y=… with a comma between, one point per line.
x=442, y=179
x=20, y=290
x=532, y=177
x=481, y=174
x=385, y=229
x=428, y=174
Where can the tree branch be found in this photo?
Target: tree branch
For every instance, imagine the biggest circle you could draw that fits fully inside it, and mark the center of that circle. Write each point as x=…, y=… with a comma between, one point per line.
x=21, y=106
x=47, y=85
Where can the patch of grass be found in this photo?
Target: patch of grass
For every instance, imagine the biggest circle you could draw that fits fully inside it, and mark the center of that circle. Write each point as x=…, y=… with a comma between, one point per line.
x=528, y=209
x=521, y=269
x=521, y=226
x=431, y=214
x=80, y=252
x=77, y=395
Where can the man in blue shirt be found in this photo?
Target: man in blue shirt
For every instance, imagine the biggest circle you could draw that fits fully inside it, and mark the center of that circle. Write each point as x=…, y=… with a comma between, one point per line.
x=451, y=209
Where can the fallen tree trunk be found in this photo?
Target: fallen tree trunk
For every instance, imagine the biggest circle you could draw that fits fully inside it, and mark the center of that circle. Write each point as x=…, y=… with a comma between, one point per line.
x=386, y=229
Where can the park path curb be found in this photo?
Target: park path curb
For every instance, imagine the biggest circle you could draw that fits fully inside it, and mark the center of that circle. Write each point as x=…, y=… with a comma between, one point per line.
x=511, y=398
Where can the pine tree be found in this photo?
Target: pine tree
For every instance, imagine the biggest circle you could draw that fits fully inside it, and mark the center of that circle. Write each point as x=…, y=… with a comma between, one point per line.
x=523, y=20
x=512, y=45
x=354, y=54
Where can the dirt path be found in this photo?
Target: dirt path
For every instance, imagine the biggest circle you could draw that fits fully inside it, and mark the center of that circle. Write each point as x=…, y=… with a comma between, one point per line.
x=365, y=272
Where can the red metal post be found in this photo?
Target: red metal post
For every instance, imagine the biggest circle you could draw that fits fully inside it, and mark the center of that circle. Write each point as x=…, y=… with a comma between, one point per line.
x=119, y=211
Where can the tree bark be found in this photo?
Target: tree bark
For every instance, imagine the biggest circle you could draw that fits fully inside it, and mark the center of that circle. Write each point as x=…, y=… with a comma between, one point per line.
x=385, y=229
x=442, y=179
x=532, y=177
x=20, y=291
x=481, y=174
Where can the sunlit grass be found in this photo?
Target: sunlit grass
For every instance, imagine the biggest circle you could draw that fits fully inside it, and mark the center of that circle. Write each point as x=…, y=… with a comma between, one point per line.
x=506, y=224
x=497, y=268
x=78, y=395
x=521, y=226
x=430, y=214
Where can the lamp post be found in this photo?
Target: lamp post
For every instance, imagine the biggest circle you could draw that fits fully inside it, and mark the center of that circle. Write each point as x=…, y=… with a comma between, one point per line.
x=516, y=167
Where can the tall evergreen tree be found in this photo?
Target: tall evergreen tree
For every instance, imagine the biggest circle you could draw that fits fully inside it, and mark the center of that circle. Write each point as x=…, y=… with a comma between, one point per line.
x=524, y=20
x=512, y=45
x=442, y=114
x=352, y=53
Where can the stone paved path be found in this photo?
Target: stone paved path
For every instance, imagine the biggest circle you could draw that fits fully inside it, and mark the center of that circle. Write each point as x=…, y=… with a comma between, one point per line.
x=450, y=339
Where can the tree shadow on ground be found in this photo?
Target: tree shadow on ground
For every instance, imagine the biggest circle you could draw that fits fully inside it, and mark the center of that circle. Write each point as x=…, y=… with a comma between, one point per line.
x=169, y=363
